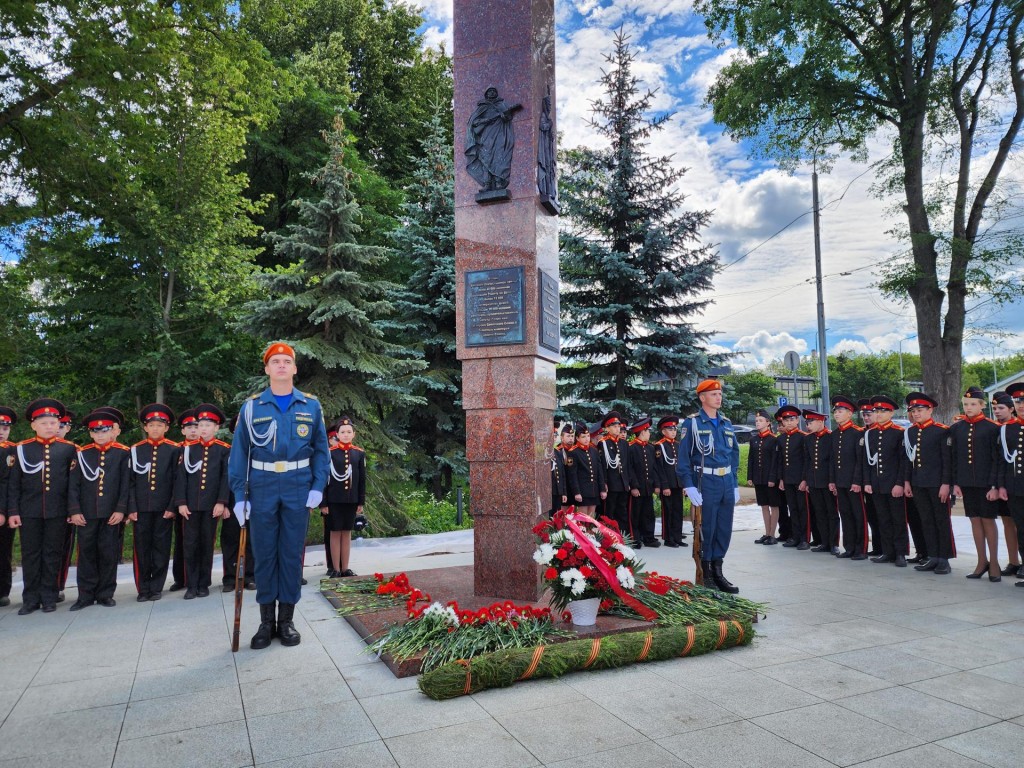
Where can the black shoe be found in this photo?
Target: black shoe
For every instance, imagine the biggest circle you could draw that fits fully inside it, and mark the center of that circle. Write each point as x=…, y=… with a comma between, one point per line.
x=155, y=596
x=874, y=552
x=25, y=610
x=250, y=585
x=803, y=546
x=175, y=587
x=845, y=555
x=883, y=559
x=268, y=627
x=142, y=598
x=203, y=592
x=190, y=594
x=80, y=604
x=638, y=545
x=821, y=548
x=49, y=607
x=347, y=572
x=304, y=582
x=814, y=543
x=228, y=587
x=789, y=543
x=1020, y=573
x=770, y=541
x=285, y=628
x=900, y=561
x=761, y=540
x=671, y=545
x=684, y=544
x=107, y=602
x=60, y=597
x=917, y=559
x=1019, y=584
x=708, y=574
x=653, y=543
x=1011, y=569
x=835, y=551
x=723, y=583
x=978, y=573
x=943, y=567
x=861, y=556
x=332, y=574
x=4, y=601
x=929, y=565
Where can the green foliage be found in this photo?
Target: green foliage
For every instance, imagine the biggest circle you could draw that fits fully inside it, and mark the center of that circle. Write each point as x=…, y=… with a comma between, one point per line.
x=866, y=376
x=327, y=303
x=632, y=263
x=430, y=515
x=744, y=393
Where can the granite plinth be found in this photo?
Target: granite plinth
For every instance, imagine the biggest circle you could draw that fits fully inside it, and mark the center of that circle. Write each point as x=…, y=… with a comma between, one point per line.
x=508, y=382
x=444, y=584
x=503, y=555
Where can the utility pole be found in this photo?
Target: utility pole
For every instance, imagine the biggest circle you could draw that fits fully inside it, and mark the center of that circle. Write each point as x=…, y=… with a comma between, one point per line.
x=822, y=347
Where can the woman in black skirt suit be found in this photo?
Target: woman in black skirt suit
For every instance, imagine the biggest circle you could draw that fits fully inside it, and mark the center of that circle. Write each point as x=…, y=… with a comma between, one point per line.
x=345, y=495
x=585, y=473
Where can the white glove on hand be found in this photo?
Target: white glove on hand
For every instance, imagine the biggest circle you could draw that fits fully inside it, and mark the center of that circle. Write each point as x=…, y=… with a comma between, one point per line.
x=314, y=499
x=735, y=495
x=695, y=498
x=241, y=510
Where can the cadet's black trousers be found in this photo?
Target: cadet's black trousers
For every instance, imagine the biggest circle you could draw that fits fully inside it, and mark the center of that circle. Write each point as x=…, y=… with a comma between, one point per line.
x=892, y=522
x=916, y=529
x=6, y=549
x=98, y=554
x=935, y=524
x=796, y=501
x=152, y=552
x=230, y=537
x=871, y=514
x=641, y=515
x=41, y=541
x=67, y=551
x=616, y=506
x=178, y=567
x=851, y=513
x=827, y=515
x=200, y=535
x=672, y=516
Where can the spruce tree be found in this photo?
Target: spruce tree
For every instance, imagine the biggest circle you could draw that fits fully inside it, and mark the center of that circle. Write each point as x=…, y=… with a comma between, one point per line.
x=329, y=304
x=632, y=263
x=436, y=430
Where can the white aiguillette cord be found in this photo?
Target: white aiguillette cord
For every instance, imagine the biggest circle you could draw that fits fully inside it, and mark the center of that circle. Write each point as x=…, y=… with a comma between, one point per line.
x=189, y=466
x=910, y=449
x=1010, y=457
x=138, y=468
x=88, y=472
x=28, y=469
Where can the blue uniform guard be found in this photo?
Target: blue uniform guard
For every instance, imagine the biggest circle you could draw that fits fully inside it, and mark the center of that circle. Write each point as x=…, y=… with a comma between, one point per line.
x=284, y=455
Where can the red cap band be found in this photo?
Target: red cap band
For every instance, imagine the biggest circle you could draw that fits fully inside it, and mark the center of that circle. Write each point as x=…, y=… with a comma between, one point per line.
x=100, y=423
x=45, y=411
x=156, y=415
x=208, y=416
x=5, y=419
x=923, y=403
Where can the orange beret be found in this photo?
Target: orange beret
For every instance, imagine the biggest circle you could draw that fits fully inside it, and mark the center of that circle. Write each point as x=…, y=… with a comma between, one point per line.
x=278, y=348
x=709, y=385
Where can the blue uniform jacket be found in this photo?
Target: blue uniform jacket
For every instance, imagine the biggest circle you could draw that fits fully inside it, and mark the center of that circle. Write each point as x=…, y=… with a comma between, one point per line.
x=300, y=434
x=720, y=442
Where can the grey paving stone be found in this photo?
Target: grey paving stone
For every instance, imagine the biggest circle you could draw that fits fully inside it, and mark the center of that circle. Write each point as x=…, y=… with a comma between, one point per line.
x=69, y=666
x=375, y=679
x=266, y=697
x=603, y=683
x=993, y=697
x=151, y=717
x=535, y=694
x=762, y=652
x=468, y=745
x=396, y=714
x=812, y=613
x=708, y=665
x=19, y=668
x=1008, y=671
x=740, y=744
x=923, y=621
x=45, y=734
x=750, y=695
x=176, y=680
x=372, y=754
x=305, y=731
x=824, y=679
x=995, y=610
x=278, y=661
x=583, y=730
x=946, y=650
x=895, y=666
x=225, y=745
x=83, y=756
x=930, y=755
x=7, y=701
x=822, y=640
x=875, y=632
x=665, y=711
x=82, y=694
x=837, y=734
x=926, y=717
x=646, y=755
x=997, y=745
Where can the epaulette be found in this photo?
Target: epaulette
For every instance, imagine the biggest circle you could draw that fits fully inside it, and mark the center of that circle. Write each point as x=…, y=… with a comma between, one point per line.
x=220, y=442
x=940, y=424
x=307, y=394
x=66, y=442
x=254, y=397
x=169, y=442
x=896, y=426
x=26, y=442
x=339, y=447
x=992, y=421
x=122, y=446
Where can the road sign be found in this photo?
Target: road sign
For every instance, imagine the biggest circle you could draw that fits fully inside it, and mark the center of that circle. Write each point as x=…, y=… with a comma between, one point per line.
x=783, y=400
x=792, y=361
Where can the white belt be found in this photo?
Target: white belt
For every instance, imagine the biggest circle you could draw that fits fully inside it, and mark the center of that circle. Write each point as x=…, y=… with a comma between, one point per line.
x=718, y=471
x=280, y=466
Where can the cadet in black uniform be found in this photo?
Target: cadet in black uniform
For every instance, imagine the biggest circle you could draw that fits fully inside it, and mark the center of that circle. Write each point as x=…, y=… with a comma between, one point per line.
x=927, y=445
x=666, y=457
x=153, y=463
x=789, y=474
x=760, y=468
x=332, y=440
x=1010, y=463
x=817, y=476
x=644, y=482
x=1002, y=410
x=345, y=494
x=846, y=478
x=867, y=420
x=974, y=443
x=564, y=440
x=97, y=503
x=37, y=502
x=7, y=458
x=585, y=475
x=615, y=465
x=201, y=495
x=190, y=433
x=885, y=474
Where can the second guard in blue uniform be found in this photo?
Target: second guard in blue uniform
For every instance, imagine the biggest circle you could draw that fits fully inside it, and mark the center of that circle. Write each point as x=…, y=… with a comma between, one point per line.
x=279, y=467
x=709, y=459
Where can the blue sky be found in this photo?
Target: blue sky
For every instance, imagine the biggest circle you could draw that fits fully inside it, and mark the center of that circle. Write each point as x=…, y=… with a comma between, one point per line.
x=765, y=304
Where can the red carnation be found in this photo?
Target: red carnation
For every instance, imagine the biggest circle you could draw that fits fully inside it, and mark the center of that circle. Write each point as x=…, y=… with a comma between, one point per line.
x=551, y=574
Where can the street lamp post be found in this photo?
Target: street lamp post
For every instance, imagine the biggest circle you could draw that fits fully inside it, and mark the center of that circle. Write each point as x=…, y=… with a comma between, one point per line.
x=908, y=338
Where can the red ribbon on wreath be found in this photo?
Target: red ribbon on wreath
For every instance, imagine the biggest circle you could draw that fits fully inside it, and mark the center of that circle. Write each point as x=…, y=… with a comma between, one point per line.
x=594, y=556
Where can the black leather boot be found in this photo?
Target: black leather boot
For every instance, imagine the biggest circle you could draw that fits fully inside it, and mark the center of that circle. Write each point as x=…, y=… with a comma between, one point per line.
x=285, y=627
x=723, y=583
x=267, y=627
x=709, y=574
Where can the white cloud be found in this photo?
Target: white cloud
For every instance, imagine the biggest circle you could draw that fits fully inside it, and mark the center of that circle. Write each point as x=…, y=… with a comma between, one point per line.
x=763, y=347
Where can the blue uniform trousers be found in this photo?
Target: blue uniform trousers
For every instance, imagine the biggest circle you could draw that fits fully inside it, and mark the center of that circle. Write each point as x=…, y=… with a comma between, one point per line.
x=277, y=525
x=716, y=516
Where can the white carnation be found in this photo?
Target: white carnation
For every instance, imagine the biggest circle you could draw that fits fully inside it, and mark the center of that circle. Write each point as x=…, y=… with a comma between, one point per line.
x=625, y=577
x=627, y=552
x=544, y=553
x=569, y=575
x=558, y=537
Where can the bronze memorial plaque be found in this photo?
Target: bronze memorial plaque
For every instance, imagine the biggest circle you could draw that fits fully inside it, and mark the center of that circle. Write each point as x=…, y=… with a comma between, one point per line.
x=495, y=307
x=548, y=326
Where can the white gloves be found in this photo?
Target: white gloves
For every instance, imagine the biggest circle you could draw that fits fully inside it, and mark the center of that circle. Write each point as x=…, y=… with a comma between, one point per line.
x=695, y=498
x=241, y=510
x=314, y=499
x=735, y=495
